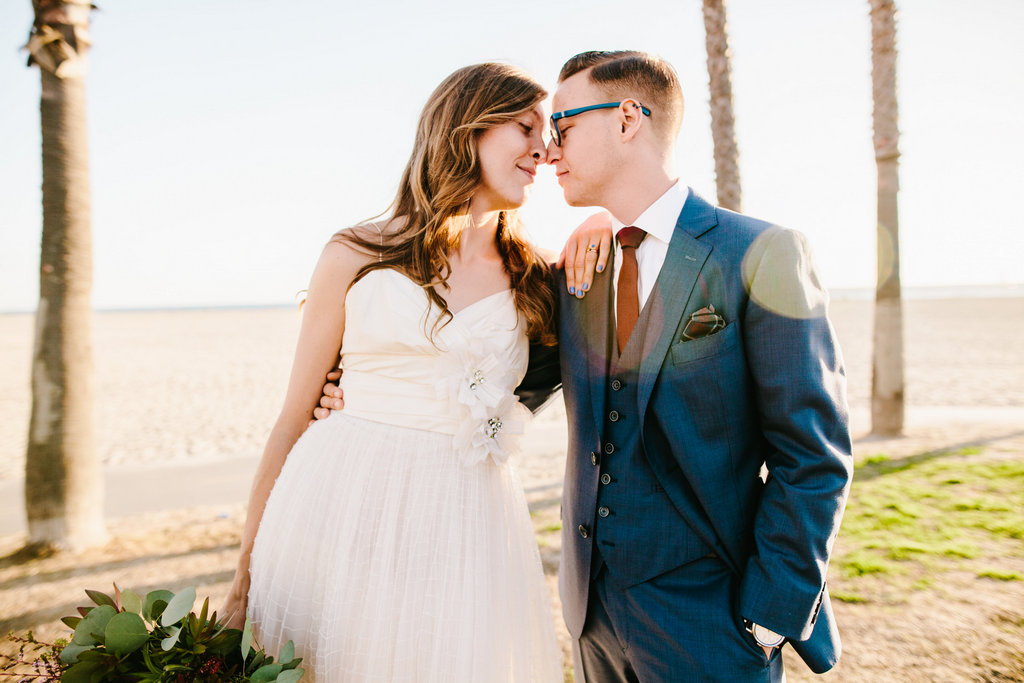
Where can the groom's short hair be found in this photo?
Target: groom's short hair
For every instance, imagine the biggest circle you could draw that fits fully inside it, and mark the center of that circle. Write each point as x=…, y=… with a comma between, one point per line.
x=631, y=73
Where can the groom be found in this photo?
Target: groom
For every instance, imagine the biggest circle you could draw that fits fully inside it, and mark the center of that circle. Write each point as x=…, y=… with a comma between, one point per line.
x=701, y=354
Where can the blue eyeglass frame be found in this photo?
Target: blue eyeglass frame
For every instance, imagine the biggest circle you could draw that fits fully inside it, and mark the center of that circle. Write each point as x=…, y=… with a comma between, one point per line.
x=556, y=133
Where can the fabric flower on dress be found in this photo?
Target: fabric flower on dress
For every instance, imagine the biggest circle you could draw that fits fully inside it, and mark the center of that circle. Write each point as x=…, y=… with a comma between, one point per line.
x=496, y=435
x=474, y=379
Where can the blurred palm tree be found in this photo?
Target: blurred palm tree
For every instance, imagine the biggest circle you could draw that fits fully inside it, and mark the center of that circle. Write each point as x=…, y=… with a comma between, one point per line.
x=887, y=383
x=63, y=479
x=723, y=124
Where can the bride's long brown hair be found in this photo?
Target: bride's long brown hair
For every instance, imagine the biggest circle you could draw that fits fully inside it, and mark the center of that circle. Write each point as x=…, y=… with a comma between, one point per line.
x=432, y=205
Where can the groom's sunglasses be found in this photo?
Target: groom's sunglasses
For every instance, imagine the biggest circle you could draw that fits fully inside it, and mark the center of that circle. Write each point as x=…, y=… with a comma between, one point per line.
x=556, y=134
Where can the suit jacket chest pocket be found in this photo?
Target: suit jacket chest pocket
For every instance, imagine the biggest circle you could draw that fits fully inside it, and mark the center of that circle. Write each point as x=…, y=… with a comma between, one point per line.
x=690, y=350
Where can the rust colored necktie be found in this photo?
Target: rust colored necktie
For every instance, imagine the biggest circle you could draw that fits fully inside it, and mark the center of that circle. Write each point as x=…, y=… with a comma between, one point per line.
x=627, y=301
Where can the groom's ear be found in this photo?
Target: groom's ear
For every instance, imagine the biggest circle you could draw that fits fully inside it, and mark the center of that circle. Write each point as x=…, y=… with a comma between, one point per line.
x=630, y=119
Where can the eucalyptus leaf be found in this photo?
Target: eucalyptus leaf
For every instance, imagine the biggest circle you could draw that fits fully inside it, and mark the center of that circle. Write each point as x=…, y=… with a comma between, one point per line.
x=167, y=643
x=149, y=604
x=290, y=676
x=287, y=653
x=90, y=629
x=83, y=672
x=266, y=673
x=131, y=602
x=71, y=622
x=246, y=639
x=125, y=633
x=69, y=654
x=179, y=607
x=101, y=598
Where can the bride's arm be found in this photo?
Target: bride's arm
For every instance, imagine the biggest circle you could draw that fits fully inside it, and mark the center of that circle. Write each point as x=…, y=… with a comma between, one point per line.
x=316, y=353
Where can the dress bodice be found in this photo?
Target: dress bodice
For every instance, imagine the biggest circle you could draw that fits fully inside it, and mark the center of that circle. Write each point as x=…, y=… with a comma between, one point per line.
x=397, y=368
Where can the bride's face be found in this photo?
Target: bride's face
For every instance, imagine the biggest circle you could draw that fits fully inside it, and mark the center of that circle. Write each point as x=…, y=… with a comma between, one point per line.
x=509, y=157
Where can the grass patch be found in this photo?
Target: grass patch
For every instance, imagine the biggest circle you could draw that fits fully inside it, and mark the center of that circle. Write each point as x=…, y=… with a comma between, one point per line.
x=918, y=515
x=852, y=598
x=864, y=562
x=557, y=526
x=1000, y=576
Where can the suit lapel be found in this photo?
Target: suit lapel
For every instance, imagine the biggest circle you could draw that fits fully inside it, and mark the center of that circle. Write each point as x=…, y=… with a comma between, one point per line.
x=672, y=290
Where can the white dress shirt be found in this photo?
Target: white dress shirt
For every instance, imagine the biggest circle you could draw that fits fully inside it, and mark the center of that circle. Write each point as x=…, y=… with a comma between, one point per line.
x=659, y=222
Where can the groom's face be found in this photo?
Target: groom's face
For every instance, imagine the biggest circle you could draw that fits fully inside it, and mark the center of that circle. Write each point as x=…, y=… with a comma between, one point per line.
x=586, y=162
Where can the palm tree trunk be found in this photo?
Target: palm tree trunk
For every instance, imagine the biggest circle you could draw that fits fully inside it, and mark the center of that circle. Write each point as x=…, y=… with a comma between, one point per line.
x=63, y=477
x=723, y=124
x=887, y=383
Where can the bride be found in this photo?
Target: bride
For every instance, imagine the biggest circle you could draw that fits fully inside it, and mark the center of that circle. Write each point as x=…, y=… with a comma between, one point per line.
x=392, y=541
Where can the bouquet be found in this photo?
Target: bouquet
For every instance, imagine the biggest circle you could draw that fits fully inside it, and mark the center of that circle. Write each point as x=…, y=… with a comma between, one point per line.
x=155, y=639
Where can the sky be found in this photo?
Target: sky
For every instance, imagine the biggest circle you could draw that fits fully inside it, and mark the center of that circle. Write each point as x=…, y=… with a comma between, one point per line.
x=230, y=139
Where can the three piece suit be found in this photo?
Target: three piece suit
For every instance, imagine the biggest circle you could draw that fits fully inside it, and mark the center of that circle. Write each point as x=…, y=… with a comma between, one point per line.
x=672, y=534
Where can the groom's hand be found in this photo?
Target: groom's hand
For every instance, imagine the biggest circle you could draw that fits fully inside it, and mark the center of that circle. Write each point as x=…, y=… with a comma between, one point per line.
x=332, y=398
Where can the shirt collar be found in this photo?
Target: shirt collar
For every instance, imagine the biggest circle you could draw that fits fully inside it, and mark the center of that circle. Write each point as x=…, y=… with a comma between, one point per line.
x=659, y=219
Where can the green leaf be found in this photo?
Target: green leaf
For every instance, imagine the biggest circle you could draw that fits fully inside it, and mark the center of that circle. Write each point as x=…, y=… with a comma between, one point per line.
x=204, y=613
x=246, y=639
x=167, y=643
x=131, y=602
x=69, y=655
x=149, y=607
x=179, y=607
x=90, y=629
x=257, y=661
x=287, y=653
x=266, y=673
x=83, y=672
x=101, y=598
x=290, y=676
x=71, y=622
x=125, y=633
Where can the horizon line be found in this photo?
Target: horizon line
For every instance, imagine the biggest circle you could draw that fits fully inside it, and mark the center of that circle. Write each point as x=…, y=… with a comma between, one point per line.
x=1010, y=290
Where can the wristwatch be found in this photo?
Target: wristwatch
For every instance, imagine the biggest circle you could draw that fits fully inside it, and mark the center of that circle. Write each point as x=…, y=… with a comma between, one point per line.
x=765, y=637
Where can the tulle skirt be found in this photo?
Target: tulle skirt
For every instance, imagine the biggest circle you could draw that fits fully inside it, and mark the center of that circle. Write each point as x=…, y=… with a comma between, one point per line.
x=384, y=558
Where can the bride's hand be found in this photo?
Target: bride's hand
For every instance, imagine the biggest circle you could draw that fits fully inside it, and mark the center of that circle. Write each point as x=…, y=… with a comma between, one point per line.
x=233, y=612
x=332, y=398
x=585, y=252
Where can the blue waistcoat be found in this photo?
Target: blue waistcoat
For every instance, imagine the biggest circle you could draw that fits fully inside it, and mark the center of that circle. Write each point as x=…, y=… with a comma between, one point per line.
x=629, y=496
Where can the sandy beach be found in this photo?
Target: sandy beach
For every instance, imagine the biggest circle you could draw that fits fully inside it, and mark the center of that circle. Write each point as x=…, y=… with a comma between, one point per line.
x=188, y=390
x=193, y=386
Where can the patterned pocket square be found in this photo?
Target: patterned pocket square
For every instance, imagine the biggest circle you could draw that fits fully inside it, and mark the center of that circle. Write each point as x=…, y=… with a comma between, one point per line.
x=702, y=323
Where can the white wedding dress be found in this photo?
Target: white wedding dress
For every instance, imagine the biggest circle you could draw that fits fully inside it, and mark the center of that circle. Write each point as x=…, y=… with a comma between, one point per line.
x=396, y=544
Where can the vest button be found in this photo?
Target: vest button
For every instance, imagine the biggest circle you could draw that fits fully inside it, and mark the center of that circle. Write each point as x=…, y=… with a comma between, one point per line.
x=614, y=416
x=583, y=531
x=594, y=458
x=609, y=448
x=616, y=385
x=606, y=478
x=603, y=511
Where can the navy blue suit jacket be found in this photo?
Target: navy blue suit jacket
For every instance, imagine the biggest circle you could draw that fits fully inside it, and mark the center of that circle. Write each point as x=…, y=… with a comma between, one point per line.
x=769, y=388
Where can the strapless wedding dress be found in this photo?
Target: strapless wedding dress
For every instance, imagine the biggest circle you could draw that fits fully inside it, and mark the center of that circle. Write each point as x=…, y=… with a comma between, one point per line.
x=396, y=544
